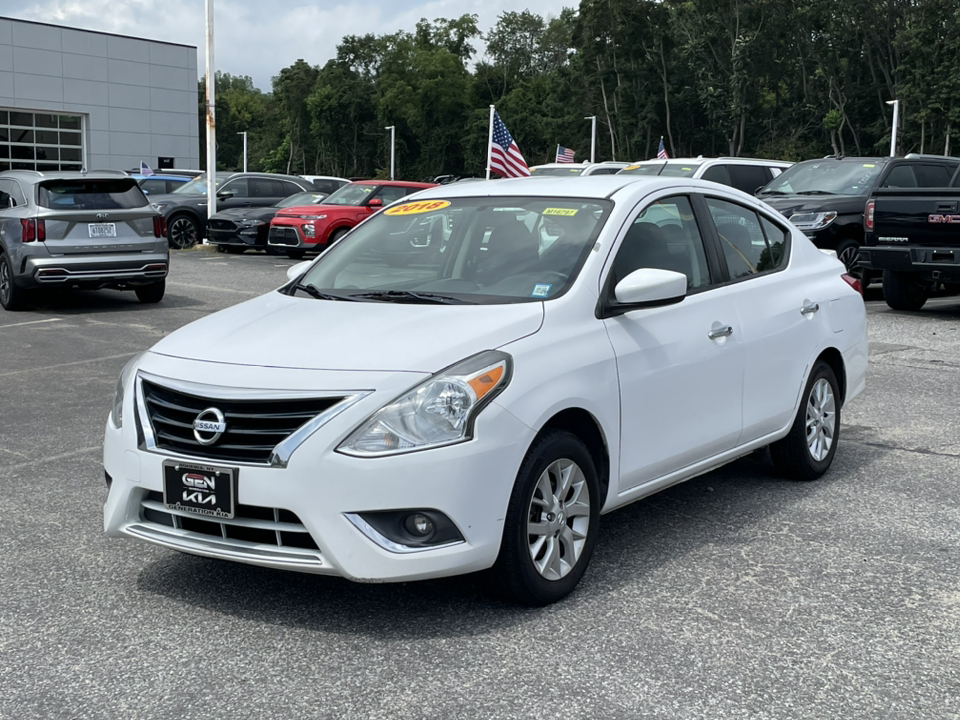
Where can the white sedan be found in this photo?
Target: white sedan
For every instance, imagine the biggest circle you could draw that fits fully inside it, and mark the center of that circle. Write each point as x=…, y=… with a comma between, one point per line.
x=470, y=378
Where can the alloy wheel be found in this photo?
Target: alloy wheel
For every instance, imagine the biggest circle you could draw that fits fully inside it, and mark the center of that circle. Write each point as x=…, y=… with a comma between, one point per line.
x=6, y=284
x=849, y=257
x=821, y=419
x=183, y=233
x=558, y=519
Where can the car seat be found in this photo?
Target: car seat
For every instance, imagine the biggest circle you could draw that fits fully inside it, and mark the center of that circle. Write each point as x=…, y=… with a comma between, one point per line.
x=510, y=250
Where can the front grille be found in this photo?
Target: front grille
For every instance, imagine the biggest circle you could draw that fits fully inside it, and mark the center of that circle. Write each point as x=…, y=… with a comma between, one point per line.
x=250, y=524
x=222, y=225
x=254, y=427
x=280, y=235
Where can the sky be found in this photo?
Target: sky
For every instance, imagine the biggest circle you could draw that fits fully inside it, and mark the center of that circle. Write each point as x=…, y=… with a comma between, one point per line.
x=259, y=37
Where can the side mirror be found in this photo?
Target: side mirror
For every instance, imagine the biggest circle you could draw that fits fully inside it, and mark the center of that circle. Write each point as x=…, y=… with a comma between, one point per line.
x=295, y=271
x=226, y=194
x=375, y=202
x=651, y=287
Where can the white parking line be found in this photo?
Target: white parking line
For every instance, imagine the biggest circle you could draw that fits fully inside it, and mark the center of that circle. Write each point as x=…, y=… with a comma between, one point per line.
x=215, y=289
x=31, y=322
x=52, y=458
x=62, y=365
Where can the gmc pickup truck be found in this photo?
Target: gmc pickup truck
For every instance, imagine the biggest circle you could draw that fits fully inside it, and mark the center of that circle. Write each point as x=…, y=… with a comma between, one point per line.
x=912, y=235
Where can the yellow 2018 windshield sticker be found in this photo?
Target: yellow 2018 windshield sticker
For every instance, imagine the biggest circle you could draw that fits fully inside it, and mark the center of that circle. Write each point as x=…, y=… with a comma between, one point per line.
x=567, y=212
x=415, y=208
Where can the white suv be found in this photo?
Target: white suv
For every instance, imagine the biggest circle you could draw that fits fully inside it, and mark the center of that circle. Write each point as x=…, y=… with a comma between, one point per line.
x=608, y=167
x=747, y=174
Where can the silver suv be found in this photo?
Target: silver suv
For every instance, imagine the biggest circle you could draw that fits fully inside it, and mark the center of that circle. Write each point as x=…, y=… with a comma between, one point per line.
x=79, y=230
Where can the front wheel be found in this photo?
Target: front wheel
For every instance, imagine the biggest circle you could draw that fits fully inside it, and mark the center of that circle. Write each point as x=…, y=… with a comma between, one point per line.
x=183, y=232
x=808, y=450
x=152, y=293
x=904, y=291
x=552, y=521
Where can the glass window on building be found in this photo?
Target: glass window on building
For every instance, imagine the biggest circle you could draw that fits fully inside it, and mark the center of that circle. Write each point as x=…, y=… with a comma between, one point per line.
x=40, y=141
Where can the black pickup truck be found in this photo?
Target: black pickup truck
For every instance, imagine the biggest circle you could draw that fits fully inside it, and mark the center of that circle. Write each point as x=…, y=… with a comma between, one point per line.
x=912, y=235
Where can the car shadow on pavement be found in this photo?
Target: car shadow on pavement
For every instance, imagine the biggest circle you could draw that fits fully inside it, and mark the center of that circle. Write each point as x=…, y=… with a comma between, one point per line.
x=80, y=302
x=718, y=508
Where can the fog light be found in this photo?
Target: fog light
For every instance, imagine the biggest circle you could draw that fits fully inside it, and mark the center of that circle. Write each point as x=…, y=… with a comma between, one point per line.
x=418, y=525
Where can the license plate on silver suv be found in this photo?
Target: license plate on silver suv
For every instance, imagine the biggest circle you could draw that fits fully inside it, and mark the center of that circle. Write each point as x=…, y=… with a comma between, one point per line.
x=102, y=230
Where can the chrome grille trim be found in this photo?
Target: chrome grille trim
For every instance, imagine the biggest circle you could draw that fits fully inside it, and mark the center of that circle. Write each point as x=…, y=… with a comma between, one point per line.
x=280, y=235
x=280, y=454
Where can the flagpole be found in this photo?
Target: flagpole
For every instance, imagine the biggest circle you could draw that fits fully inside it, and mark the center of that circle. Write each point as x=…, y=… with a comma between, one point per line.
x=490, y=142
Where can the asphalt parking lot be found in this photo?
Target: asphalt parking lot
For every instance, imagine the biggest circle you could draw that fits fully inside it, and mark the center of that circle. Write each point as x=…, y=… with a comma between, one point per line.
x=735, y=595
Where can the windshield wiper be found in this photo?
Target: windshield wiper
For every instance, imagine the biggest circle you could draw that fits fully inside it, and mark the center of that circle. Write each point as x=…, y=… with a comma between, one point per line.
x=814, y=192
x=426, y=297
x=772, y=192
x=320, y=295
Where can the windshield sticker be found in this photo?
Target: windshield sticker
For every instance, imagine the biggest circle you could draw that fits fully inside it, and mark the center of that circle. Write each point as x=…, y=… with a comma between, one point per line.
x=415, y=208
x=865, y=165
x=566, y=212
x=541, y=290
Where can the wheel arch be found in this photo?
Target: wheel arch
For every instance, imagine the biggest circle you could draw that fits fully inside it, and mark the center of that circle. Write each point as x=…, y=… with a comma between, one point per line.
x=584, y=425
x=834, y=358
x=339, y=225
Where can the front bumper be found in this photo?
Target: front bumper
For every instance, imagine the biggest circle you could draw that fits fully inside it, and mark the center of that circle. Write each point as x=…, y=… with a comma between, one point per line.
x=470, y=483
x=238, y=237
x=933, y=264
x=94, y=270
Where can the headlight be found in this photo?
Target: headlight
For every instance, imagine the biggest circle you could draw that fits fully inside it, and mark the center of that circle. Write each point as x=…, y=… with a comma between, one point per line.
x=312, y=217
x=813, y=221
x=249, y=223
x=116, y=416
x=440, y=411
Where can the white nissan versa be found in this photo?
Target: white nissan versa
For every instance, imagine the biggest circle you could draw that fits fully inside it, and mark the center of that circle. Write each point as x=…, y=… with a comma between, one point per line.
x=471, y=377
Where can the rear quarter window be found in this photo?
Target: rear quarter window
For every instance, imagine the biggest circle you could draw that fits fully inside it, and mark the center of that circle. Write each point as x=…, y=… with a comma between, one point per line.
x=90, y=194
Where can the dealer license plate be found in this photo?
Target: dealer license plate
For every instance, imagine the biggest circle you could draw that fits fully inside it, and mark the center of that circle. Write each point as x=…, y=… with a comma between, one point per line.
x=205, y=490
x=102, y=230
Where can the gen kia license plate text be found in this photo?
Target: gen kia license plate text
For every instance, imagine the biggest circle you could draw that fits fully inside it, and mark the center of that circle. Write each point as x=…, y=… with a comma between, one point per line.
x=102, y=230
x=204, y=490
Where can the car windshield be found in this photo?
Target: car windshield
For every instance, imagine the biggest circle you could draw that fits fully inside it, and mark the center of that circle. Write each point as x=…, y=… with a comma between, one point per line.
x=91, y=194
x=352, y=194
x=467, y=250
x=305, y=198
x=680, y=169
x=653, y=168
x=198, y=186
x=556, y=171
x=826, y=177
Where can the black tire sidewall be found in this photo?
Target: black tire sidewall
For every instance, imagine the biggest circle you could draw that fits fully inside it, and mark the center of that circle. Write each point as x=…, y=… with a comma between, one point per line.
x=518, y=575
x=13, y=301
x=196, y=227
x=793, y=453
x=152, y=293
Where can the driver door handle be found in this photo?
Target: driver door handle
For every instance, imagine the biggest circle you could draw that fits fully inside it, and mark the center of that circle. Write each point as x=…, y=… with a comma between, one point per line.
x=810, y=309
x=720, y=332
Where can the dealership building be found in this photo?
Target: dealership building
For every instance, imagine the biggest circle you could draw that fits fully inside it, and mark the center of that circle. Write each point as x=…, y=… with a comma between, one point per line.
x=73, y=99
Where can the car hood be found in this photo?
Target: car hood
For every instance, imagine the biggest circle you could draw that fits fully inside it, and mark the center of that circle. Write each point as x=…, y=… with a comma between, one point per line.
x=277, y=330
x=245, y=213
x=841, y=204
x=321, y=207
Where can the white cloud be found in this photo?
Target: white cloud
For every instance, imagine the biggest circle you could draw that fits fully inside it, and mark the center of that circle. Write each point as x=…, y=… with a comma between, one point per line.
x=259, y=38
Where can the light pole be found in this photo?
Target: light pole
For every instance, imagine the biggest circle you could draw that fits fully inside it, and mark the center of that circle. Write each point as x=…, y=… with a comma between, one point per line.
x=393, y=149
x=593, y=137
x=211, y=119
x=896, y=121
x=244, y=133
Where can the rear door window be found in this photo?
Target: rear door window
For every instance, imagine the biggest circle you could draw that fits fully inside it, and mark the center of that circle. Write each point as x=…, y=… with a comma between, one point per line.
x=746, y=247
x=717, y=174
x=934, y=175
x=90, y=194
x=902, y=176
x=748, y=178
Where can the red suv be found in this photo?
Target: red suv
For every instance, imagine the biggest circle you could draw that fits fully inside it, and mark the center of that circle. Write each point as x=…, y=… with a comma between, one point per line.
x=314, y=227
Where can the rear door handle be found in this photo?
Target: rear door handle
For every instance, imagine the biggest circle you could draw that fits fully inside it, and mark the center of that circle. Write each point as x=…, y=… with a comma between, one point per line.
x=810, y=309
x=720, y=332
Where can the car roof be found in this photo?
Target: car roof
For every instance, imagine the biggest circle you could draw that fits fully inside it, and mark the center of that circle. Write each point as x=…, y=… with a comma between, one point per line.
x=701, y=160
x=164, y=176
x=394, y=183
x=35, y=175
x=591, y=186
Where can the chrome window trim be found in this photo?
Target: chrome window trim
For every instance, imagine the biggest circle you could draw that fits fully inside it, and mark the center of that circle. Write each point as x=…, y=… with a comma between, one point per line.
x=386, y=543
x=281, y=454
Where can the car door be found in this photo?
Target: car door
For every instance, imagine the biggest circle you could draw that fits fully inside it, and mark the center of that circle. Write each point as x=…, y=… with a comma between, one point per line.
x=680, y=366
x=780, y=314
x=234, y=193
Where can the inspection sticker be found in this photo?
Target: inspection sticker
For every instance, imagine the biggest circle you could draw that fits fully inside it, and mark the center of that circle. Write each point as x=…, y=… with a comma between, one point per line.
x=566, y=212
x=415, y=208
x=541, y=290
x=866, y=165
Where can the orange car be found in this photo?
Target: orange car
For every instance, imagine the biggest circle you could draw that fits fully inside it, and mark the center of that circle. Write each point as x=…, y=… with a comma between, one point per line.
x=313, y=227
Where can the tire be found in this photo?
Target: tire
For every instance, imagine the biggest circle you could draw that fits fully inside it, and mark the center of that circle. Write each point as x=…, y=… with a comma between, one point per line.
x=152, y=293
x=533, y=567
x=848, y=252
x=336, y=235
x=11, y=297
x=221, y=248
x=296, y=254
x=904, y=291
x=183, y=232
x=807, y=455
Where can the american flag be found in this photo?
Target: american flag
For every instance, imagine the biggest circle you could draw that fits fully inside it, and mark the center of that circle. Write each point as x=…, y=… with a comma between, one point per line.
x=564, y=155
x=662, y=152
x=145, y=169
x=505, y=157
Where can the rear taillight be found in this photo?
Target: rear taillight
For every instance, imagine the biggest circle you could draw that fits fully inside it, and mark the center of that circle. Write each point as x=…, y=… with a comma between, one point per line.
x=159, y=226
x=854, y=283
x=868, y=215
x=33, y=231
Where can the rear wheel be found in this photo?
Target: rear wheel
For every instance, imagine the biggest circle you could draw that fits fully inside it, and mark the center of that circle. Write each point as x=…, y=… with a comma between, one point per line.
x=11, y=297
x=808, y=450
x=152, y=293
x=551, y=523
x=904, y=291
x=183, y=232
